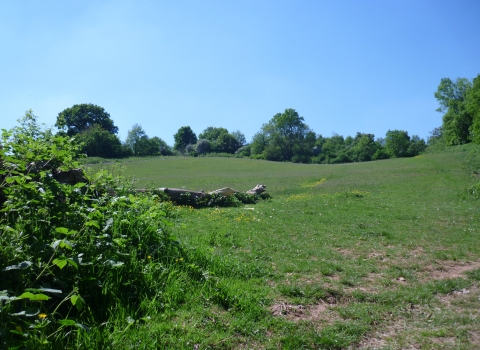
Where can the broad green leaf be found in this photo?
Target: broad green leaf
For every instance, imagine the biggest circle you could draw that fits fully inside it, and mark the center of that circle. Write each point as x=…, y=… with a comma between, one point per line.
x=62, y=230
x=93, y=223
x=9, y=180
x=61, y=263
x=67, y=322
x=34, y=297
x=41, y=297
x=27, y=295
x=66, y=244
x=78, y=301
x=80, y=185
x=73, y=263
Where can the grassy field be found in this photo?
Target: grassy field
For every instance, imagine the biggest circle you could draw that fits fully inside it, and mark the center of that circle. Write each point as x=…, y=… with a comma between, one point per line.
x=380, y=254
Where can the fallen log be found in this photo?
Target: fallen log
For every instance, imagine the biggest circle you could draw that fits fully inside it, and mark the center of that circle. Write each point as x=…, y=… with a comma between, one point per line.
x=180, y=193
x=226, y=191
x=257, y=189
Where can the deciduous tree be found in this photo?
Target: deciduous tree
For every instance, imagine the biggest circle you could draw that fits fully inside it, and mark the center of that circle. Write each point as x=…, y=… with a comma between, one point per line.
x=184, y=136
x=80, y=117
x=397, y=143
x=456, y=120
x=98, y=142
x=286, y=131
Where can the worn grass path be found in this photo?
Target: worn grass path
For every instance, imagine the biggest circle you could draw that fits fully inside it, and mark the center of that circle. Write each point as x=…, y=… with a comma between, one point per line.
x=381, y=254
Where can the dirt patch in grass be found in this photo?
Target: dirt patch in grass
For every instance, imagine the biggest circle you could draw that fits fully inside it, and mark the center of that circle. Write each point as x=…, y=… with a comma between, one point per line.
x=322, y=312
x=465, y=302
x=418, y=330
x=450, y=269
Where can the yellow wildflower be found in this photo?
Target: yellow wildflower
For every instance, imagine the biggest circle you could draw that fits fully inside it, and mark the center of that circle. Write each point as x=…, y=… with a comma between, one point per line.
x=42, y=315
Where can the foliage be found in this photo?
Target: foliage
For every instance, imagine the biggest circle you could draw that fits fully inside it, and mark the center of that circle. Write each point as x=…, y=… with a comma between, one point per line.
x=244, y=151
x=203, y=146
x=159, y=145
x=436, y=139
x=212, y=133
x=184, y=136
x=70, y=254
x=472, y=106
x=141, y=145
x=397, y=143
x=220, y=140
x=133, y=137
x=218, y=200
x=240, y=137
x=98, y=142
x=227, y=143
x=363, y=147
x=285, y=135
x=80, y=117
x=457, y=120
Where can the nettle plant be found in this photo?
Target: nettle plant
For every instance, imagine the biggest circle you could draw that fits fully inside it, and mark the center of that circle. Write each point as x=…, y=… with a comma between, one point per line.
x=71, y=253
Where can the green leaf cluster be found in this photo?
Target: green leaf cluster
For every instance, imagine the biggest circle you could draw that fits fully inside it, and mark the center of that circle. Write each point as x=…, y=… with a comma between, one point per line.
x=71, y=253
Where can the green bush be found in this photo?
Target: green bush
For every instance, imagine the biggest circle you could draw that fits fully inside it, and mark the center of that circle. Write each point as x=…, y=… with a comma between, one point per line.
x=70, y=254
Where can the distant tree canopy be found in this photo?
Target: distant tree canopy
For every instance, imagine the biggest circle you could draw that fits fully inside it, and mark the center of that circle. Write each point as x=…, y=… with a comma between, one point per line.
x=98, y=142
x=80, y=117
x=184, y=137
x=460, y=100
x=141, y=145
x=212, y=133
x=219, y=140
x=283, y=137
x=286, y=137
x=472, y=106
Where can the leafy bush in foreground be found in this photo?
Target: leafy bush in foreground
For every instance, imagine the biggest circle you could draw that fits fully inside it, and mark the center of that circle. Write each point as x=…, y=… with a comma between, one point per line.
x=73, y=256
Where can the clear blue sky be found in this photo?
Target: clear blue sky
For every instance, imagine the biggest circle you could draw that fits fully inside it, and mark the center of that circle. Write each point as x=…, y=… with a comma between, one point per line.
x=345, y=66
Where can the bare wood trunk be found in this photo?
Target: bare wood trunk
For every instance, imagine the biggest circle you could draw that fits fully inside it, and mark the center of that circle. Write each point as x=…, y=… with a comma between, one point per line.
x=257, y=189
x=177, y=193
x=226, y=191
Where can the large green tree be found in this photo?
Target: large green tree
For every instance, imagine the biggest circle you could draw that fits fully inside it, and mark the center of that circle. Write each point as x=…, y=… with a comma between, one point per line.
x=286, y=133
x=472, y=105
x=456, y=120
x=397, y=143
x=363, y=147
x=240, y=137
x=142, y=145
x=184, y=137
x=98, y=142
x=134, y=136
x=80, y=117
x=227, y=143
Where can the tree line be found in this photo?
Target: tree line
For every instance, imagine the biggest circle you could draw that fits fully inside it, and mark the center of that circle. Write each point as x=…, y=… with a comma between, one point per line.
x=285, y=137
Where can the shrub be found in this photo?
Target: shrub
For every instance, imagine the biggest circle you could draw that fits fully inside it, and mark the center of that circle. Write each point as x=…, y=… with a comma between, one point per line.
x=72, y=253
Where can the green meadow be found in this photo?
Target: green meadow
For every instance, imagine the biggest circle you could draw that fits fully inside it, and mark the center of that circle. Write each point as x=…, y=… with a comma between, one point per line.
x=381, y=254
